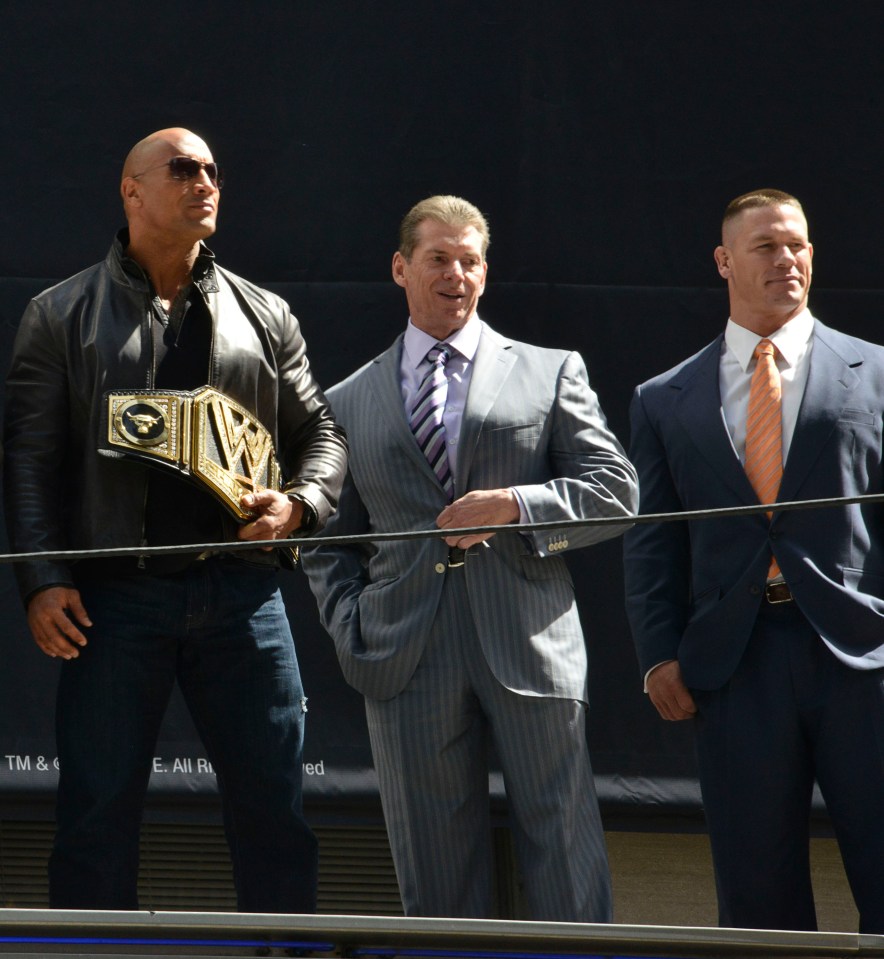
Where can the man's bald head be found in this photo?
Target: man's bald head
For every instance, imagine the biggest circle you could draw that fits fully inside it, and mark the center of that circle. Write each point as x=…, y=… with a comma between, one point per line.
x=153, y=149
x=168, y=207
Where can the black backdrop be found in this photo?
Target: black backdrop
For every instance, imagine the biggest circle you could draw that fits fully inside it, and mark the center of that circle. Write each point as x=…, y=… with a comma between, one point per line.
x=602, y=140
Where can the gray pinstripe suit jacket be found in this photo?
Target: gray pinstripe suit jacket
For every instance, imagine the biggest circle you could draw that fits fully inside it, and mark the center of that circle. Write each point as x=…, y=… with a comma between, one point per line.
x=531, y=420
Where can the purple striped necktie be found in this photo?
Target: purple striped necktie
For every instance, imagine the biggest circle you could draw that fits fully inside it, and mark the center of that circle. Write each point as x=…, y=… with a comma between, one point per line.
x=425, y=418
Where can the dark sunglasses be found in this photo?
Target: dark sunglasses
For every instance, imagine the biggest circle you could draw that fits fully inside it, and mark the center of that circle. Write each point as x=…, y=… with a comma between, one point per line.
x=186, y=168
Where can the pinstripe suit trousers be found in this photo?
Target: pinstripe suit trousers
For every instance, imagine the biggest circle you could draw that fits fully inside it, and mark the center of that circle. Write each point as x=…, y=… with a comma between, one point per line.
x=430, y=744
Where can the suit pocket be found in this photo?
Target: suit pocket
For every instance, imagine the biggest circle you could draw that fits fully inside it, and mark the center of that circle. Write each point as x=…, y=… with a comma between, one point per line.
x=863, y=581
x=512, y=435
x=550, y=567
x=509, y=454
x=379, y=584
x=858, y=416
x=704, y=602
x=496, y=427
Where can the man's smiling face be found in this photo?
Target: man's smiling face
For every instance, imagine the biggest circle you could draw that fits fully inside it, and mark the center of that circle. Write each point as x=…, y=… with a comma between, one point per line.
x=766, y=258
x=444, y=277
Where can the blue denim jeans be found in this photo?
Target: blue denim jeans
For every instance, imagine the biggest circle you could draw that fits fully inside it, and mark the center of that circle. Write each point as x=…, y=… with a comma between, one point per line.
x=220, y=629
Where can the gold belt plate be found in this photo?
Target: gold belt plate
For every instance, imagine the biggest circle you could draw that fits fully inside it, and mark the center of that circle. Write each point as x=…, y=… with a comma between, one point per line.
x=204, y=434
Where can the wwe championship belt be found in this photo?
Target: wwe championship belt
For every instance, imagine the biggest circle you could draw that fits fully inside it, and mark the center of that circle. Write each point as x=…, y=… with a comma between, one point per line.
x=203, y=434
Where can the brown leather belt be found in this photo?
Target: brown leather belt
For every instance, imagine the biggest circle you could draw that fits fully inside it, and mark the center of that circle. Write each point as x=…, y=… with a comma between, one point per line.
x=776, y=593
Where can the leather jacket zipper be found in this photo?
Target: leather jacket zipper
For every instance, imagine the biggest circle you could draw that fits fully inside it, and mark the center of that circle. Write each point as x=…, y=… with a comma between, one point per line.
x=151, y=376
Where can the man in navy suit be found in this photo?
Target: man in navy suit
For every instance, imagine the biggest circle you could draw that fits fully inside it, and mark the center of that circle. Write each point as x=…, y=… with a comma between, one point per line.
x=768, y=630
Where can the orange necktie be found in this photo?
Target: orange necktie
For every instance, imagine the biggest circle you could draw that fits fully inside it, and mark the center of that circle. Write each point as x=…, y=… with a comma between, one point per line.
x=764, y=431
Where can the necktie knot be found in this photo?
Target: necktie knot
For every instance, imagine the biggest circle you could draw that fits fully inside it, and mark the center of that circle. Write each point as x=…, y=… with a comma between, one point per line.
x=765, y=348
x=439, y=355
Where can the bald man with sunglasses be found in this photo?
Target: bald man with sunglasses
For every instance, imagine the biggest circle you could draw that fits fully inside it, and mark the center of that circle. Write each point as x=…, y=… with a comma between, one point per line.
x=112, y=371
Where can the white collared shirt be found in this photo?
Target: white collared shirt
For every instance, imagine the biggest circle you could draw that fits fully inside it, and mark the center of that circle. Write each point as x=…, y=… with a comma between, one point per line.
x=794, y=342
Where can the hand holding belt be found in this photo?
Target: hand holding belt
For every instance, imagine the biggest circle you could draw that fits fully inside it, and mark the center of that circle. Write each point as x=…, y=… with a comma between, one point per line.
x=203, y=434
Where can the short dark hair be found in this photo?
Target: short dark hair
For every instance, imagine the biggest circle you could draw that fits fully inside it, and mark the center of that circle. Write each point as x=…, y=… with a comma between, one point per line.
x=450, y=210
x=759, y=198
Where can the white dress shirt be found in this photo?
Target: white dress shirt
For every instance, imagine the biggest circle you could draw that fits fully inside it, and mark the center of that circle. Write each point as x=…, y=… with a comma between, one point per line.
x=794, y=342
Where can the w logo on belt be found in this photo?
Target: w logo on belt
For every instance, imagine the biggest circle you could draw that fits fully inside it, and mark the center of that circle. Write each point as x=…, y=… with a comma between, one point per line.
x=242, y=441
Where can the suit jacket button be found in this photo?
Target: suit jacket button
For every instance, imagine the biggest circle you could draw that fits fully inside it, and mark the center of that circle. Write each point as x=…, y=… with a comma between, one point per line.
x=564, y=544
x=439, y=567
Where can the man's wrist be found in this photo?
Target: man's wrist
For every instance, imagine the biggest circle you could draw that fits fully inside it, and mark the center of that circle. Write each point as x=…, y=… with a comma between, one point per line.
x=309, y=516
x=653, y=669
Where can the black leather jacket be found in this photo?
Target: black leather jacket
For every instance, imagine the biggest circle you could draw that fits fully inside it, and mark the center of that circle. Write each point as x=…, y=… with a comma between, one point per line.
x=92, y=333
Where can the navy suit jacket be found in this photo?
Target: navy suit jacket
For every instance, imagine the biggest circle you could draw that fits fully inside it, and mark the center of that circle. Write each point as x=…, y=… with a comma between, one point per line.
x=693, y=589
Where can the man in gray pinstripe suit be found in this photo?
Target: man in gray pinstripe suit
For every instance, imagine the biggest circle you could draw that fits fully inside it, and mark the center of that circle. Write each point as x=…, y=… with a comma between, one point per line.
x=456, y=642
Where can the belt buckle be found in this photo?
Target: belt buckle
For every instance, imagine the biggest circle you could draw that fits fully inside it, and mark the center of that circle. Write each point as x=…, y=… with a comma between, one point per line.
x=456, y=557
x=777, y=593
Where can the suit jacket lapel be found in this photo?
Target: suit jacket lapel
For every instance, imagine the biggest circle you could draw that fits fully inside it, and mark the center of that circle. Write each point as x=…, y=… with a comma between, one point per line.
x=385, y=384
x=698, y=409
x=491, y=366
x=831, y=381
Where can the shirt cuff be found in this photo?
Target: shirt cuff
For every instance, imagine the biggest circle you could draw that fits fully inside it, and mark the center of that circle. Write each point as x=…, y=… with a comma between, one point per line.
x=648, y=673
x=523, y=512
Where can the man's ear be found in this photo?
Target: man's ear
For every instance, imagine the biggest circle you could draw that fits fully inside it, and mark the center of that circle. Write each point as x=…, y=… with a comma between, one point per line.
x=723, y=261
x=129, y=189
x=399, y=264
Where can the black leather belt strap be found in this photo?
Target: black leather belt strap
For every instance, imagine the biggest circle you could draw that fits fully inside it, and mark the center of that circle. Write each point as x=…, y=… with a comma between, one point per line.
x=456, y=557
